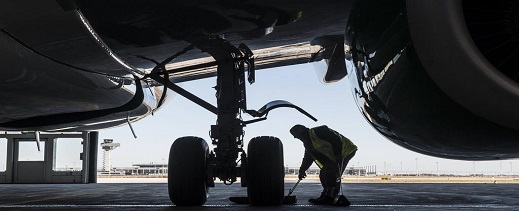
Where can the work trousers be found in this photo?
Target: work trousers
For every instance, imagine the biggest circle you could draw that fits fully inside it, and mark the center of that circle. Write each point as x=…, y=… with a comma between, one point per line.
x=330, y=172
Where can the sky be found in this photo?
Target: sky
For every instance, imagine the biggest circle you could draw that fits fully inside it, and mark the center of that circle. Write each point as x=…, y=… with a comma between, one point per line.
x=332, y=104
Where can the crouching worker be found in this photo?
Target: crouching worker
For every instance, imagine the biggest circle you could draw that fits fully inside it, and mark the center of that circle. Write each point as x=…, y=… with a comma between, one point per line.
x=331, y=151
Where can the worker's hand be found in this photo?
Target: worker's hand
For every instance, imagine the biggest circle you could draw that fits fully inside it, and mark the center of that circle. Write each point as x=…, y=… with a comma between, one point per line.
x=302, y=174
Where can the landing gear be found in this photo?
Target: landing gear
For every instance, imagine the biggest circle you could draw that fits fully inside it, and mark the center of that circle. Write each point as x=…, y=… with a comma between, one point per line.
x=187, y=171
x=265, y=171
x=192, y=169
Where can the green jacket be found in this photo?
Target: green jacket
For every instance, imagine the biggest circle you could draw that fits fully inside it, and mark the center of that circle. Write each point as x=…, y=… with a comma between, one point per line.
x=329, y=143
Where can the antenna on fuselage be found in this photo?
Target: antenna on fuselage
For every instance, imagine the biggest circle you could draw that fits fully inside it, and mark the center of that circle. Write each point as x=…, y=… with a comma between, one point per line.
x=37, y=135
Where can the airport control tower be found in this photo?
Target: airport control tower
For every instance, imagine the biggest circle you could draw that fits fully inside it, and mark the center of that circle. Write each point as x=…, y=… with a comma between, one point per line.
x=108, y=146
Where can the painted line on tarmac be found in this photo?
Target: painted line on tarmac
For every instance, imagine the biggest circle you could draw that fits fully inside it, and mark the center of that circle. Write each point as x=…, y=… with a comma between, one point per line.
x=436, y=206
x=237, y=205
x=85, y=206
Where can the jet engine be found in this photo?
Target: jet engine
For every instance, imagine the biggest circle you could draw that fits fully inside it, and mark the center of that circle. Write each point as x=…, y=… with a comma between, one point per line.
x=438, y=77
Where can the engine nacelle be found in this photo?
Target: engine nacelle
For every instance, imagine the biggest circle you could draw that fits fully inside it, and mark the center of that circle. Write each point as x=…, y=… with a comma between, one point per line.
x=451, y=57
x=425, y=85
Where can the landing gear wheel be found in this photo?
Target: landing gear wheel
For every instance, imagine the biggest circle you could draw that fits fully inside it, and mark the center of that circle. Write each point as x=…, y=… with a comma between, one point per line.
x=187, y=171
x=265, y=171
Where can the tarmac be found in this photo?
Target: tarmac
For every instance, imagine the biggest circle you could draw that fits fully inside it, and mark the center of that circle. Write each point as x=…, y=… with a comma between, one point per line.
x=363, y=196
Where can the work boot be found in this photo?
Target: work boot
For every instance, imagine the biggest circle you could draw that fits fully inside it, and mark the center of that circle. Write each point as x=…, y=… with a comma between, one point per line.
x=323, y=194
x=326, y=200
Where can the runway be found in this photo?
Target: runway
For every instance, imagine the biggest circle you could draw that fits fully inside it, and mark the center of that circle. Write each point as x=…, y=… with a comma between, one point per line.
x=154, y=196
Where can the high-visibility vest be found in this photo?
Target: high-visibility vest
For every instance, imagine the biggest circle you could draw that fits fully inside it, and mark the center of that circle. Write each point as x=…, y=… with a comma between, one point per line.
x=326, y=147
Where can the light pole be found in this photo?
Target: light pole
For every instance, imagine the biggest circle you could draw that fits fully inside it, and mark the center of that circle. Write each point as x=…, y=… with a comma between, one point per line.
x=163, y=171
x=416, y=159
x=437, y=171
x=500, y=168
x=358, y=166
x=384, y=168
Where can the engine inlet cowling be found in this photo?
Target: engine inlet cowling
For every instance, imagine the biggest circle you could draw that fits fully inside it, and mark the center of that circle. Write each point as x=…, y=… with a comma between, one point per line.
x=471, y=76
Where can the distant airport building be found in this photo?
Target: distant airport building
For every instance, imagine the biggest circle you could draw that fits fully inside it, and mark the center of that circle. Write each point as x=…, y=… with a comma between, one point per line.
x=361, y=171
x=142, y=169
x=162, y=169
x=295, y=170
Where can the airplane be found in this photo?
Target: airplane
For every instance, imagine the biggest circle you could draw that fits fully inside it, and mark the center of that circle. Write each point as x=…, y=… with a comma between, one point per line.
x=436, y=77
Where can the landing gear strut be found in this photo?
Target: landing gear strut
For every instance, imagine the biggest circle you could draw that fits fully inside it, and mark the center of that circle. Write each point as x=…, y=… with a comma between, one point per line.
x=192, y=169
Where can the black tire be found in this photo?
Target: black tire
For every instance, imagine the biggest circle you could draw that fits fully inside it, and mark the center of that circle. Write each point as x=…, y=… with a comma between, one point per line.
x=187, y=171
x=265, y=171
